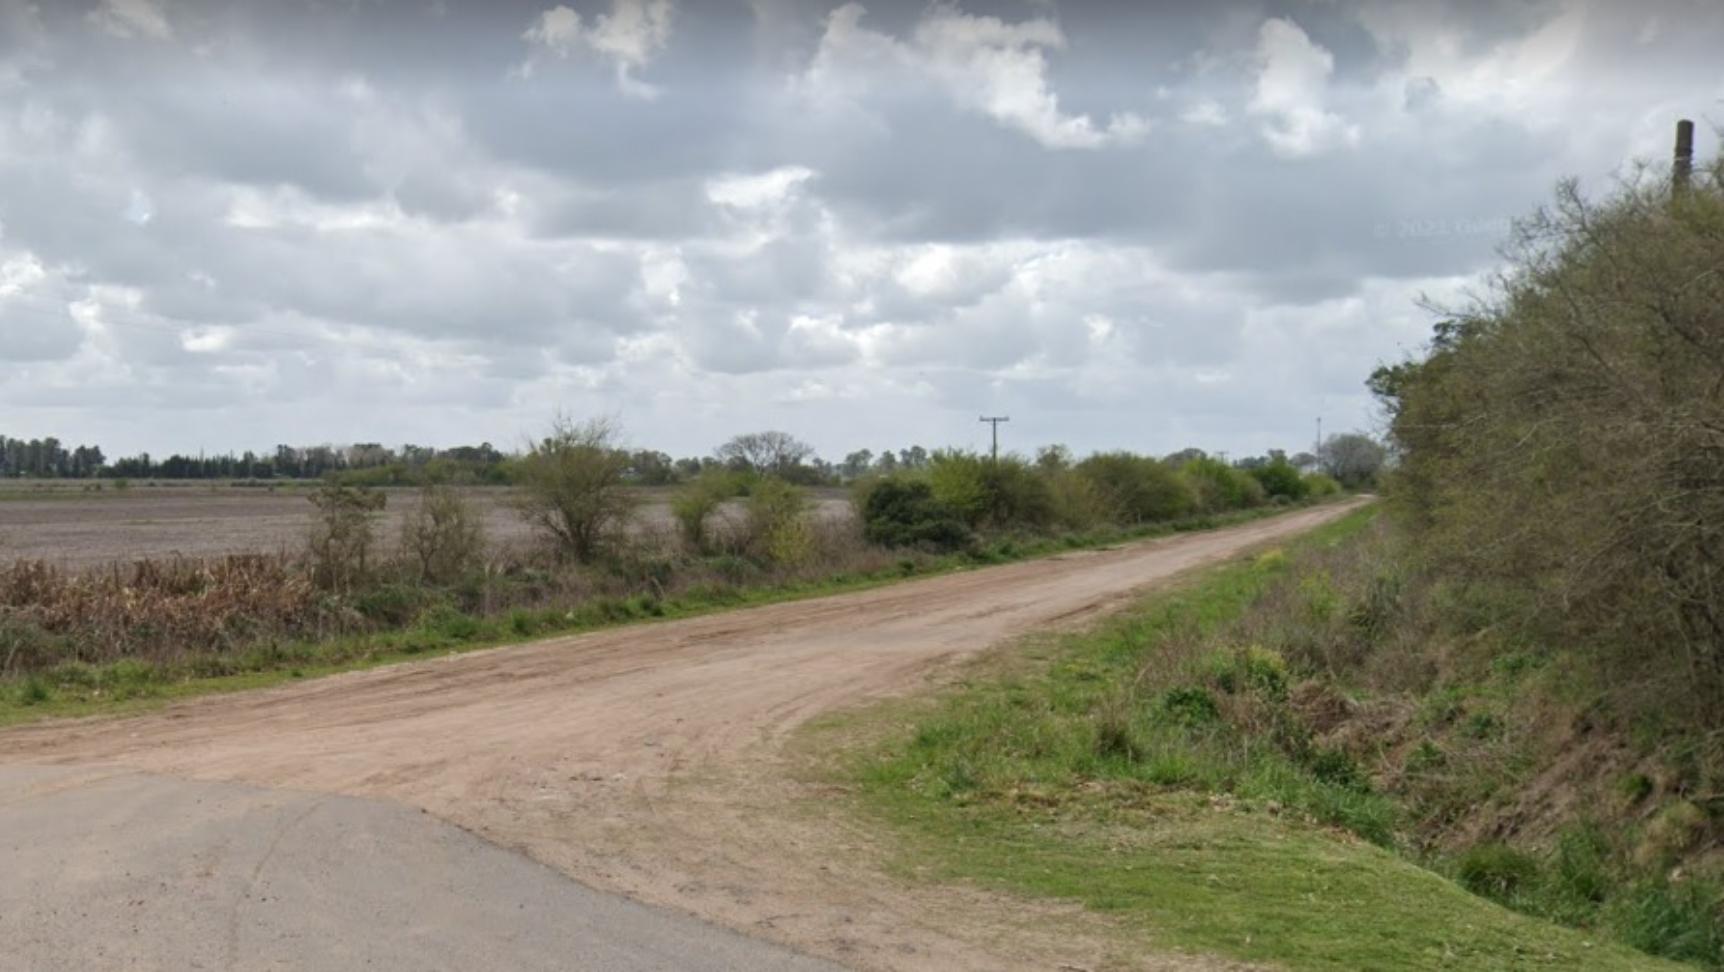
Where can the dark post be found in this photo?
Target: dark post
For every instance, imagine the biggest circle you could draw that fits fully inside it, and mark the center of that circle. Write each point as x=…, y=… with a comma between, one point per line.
x=995, y=420
x=1684, y=167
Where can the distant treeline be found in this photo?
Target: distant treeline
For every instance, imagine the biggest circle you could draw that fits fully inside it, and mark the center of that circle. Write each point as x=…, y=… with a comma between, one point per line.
x=778, y=454
x=48, y=458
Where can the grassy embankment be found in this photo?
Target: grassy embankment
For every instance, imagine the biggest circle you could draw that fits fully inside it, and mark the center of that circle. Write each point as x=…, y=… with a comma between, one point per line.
x=132, y=684
x=1162, y=771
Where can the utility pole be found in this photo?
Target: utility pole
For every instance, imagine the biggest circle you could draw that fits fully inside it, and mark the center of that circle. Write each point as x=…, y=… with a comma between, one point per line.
x=995, y=420
x=1684, y=165
x=1317, y=453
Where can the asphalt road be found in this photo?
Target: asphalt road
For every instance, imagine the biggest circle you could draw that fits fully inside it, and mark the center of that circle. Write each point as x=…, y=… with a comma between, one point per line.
x=105, y=870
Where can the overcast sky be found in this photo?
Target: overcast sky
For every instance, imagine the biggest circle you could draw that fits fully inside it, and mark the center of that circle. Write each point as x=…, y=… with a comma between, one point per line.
x=1138, y=225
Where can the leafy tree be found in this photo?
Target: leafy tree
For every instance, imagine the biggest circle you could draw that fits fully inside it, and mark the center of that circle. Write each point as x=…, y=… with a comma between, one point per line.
x=1353, y=460
x=574, y=487
x=1562, y=441
x=1280, y=477
x=857, y=464
x=765, y=453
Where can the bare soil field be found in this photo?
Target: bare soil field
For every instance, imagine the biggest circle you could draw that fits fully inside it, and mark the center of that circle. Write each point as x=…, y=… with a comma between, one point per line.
x=651, y=760
x=74, y=528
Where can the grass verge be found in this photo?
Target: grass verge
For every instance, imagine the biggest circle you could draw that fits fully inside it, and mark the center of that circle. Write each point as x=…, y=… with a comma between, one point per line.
x=1053, y=773
x=131, y=685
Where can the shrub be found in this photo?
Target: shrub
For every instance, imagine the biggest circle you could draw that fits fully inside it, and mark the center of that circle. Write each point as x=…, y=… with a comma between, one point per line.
x=695, y=502
x=25, y=645
x=342, y=534
x=393, y=605
x=1563, y=435
x=778, y=528
x=574, y=487
x=1190, y=706
x=1220, y=487
x=1251, y=669
x=1137, y=489
x=1318, y=485
x=1076, y=503
x=1280, y=478
x=984, y=492
x=899, y=512
x=443, y=534
x=1495, y=871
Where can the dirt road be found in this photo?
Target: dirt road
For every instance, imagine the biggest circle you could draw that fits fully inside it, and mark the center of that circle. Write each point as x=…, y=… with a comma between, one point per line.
x=646, y=760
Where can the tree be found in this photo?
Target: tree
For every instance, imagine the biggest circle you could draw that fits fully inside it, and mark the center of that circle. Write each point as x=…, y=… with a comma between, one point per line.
x=856, y=464
x=1053, y=459
x=343, y=534
x=1352, y=459
x=443, y=533
x=574, y=487
x=765, y=453
x=1563, y=439
x=1280, y=477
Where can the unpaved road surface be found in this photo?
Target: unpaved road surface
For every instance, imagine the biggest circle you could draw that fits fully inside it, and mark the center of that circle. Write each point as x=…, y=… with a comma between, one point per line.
x=646, y=761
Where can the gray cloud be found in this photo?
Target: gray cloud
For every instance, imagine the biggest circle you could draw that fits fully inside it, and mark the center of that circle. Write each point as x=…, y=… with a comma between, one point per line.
x=1144, y=225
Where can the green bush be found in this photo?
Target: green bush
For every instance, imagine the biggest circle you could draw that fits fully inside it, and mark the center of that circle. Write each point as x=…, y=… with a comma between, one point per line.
x=1496, y=871
x=26, y=645
x=1077, y=504
x=1003, y=494
x=1251, y=669
x=778, y=528
x=1279, y=477
x=1318, y=485
x=899, y=512
x=1137, y=489
x=695, y=502
x=1190, y=706
x=393, y=605
x=1220, y=487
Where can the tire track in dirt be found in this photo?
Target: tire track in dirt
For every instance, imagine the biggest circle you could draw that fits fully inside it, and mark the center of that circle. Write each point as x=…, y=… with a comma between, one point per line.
x=648, y=760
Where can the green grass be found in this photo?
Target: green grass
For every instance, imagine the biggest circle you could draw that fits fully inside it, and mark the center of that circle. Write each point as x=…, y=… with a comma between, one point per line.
x=132, y=685
x=1049, y=775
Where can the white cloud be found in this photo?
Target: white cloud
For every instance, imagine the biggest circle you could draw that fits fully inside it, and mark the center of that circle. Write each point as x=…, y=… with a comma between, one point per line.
x=132, y=18
x=984, y=64
x=1292, y=82
x=1510, y=75
x=759, y=190
x=629, y=37
x=1206, y=111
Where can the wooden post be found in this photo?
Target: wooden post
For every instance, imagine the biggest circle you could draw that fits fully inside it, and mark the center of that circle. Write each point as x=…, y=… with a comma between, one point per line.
x=1683, y=169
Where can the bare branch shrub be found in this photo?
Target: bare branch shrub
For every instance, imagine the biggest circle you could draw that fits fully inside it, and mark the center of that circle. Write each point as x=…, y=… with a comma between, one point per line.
x=343, y=533
x=443, y=534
